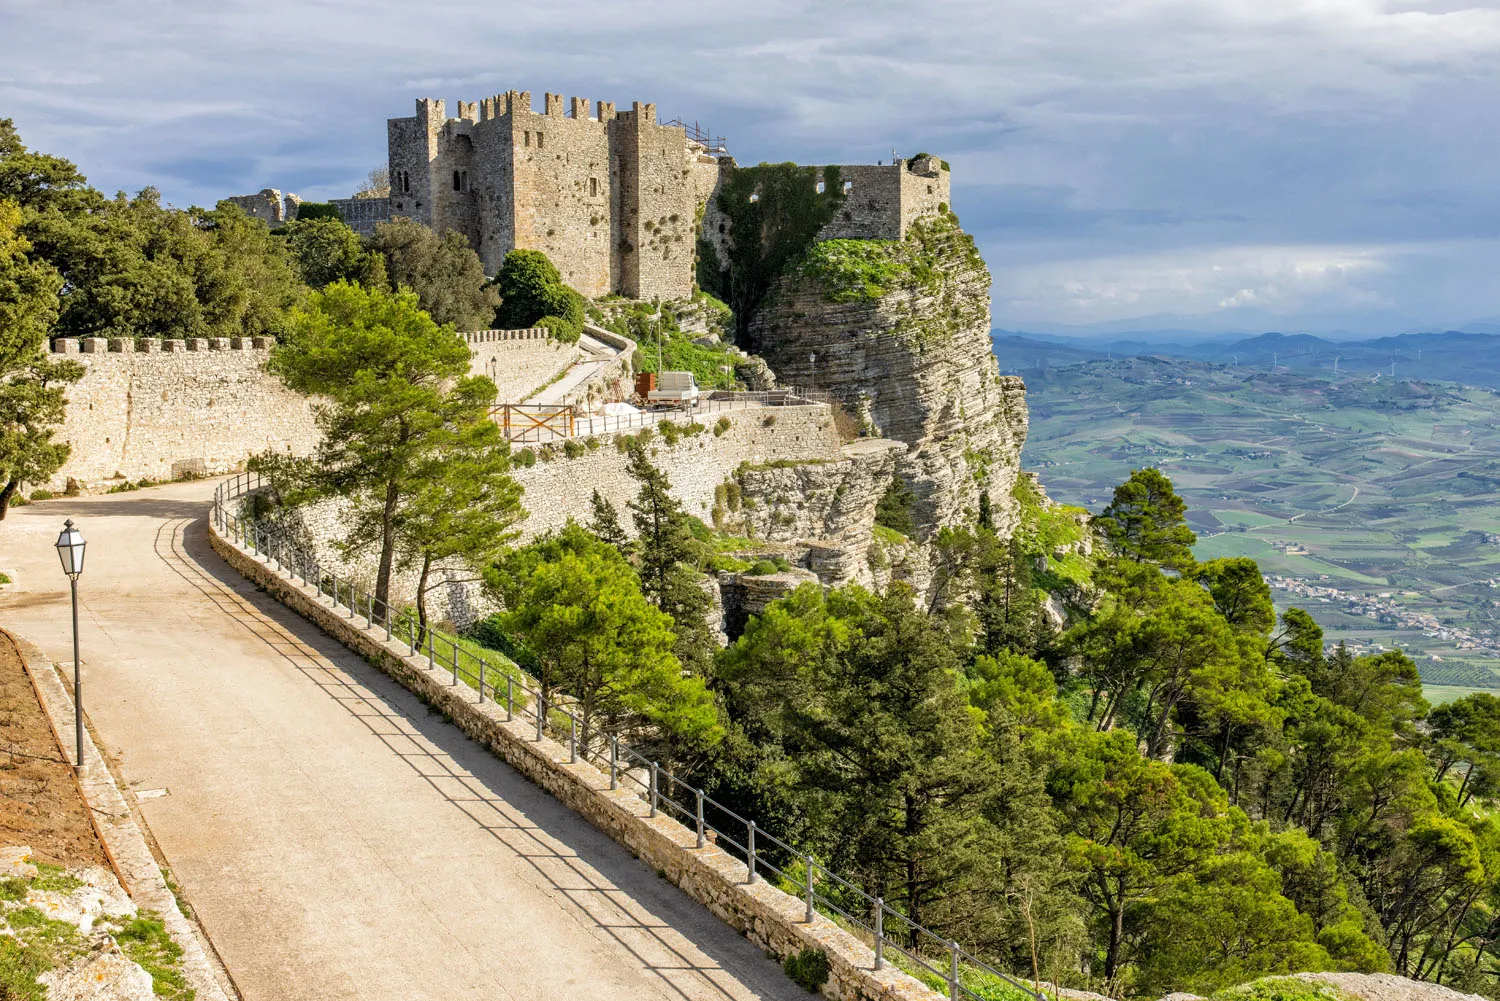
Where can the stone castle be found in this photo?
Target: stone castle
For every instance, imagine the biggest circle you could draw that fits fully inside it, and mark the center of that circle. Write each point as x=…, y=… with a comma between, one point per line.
x=616, y=198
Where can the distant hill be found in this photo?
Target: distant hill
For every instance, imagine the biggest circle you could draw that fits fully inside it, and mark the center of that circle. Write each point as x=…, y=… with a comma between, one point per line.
x=1451, y=356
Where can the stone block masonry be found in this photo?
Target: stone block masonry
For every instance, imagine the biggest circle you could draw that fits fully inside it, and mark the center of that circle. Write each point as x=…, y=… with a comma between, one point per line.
x=519, y=361
x=696, y=465
x=161, y=410
x=765, y=915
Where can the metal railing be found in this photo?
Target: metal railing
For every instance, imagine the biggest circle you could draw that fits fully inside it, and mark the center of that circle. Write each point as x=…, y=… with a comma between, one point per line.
x=711, y=822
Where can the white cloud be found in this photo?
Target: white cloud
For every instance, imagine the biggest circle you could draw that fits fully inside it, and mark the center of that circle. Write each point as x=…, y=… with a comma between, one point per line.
x=1096, y=144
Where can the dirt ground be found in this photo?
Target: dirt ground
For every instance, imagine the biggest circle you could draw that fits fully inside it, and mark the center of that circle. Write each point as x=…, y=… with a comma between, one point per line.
x=39, y=802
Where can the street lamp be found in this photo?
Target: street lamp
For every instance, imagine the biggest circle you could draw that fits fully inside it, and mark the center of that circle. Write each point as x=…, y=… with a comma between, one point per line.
x=813, y=360
x=70, y=551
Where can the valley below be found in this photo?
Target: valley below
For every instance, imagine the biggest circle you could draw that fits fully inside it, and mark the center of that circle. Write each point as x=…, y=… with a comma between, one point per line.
x=1373, y=503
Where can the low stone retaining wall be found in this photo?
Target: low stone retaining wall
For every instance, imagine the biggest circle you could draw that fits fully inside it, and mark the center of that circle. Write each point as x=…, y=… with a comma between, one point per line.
x=771, y=919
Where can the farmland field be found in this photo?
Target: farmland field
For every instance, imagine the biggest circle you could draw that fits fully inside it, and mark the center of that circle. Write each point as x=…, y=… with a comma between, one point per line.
x=1373, y=503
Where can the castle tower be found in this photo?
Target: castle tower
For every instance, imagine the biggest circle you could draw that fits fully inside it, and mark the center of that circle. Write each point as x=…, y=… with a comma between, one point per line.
x=609, y=197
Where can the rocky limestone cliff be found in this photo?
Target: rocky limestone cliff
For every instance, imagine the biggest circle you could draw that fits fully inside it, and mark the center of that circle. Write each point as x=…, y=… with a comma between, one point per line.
x=832, y=498
x=900, y=331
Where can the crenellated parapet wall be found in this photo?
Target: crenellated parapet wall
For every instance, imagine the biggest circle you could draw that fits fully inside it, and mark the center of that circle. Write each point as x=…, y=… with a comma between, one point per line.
x=519, y=362
x=164, y=409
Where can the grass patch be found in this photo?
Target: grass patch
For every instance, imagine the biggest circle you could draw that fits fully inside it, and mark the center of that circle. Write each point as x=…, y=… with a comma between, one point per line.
x=1282, y=989
x=144, y=940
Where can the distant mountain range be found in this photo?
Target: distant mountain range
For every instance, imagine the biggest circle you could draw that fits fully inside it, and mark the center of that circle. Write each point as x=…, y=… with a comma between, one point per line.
x=1452, y=356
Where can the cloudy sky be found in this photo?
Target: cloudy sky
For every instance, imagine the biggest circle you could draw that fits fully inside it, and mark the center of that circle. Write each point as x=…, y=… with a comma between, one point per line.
x=1215, y=165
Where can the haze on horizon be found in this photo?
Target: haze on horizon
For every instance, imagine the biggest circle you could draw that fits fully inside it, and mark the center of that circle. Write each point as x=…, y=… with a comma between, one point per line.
x=1207, y=165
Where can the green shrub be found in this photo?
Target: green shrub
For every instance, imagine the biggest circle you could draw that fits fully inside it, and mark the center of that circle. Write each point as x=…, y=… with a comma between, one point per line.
x=145, y=941
x=573, y=448
x=592, y=444
x=895, y=508
x=670, y=432
x=42, y=495
x=532, y=294
x=763, y=566
x=809, y=969
x=122, y=488
x=317, y=210
x=769, y=422
x=722, y=426
x=1282, y=989
x=18, y=501
x=525, y=458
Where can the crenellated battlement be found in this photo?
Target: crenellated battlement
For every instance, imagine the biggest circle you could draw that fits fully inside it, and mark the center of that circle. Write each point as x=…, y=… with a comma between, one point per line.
x=148, y=345
x=526, y=334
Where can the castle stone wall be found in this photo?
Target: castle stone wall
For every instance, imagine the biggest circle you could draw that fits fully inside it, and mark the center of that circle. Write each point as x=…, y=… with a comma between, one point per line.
x=519, y=361
x=696, y=465
x=562, y=191
x=609, y=197
x=363, y=214
x=658, y=197
x=177, y=407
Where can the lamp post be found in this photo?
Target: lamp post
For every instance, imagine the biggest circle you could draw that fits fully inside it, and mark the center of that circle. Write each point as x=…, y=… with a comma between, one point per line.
x=813, y=360
x=70, y=551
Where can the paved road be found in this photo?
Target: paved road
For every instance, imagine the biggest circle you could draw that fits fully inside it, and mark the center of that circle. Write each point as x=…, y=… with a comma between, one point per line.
x=338, y=840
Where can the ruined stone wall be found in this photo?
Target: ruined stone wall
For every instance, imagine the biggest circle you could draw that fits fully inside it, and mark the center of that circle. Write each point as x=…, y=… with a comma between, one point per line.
x=697, y=465
x=363, y=214
x=881, y=202
x=175, y=408
x=519, y=361
x=266, y=205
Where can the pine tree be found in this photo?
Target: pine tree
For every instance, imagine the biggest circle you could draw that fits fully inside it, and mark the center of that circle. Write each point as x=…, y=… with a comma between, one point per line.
x=666, y=554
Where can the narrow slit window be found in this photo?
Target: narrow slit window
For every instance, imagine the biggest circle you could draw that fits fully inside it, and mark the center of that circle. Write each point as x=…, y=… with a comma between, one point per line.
x=458, y=182
x=528, y=139
x=593, y=186
x=538, y=140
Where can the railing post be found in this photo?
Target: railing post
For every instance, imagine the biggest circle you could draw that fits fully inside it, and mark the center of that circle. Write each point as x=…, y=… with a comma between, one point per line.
x=430, y=664
x=879, y=933
x=509, y=713
x=541, y=712
x=614, y=758
x=572, y=738
x=700, y=816
x=750, y=853
x=411, y=636
x=953, y=971
x=812, y=875
x=454, y=654
x=481, y=679
x=653, y=789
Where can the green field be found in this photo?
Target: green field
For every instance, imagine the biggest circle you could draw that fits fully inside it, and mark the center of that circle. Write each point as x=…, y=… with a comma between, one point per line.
x=1373, y=504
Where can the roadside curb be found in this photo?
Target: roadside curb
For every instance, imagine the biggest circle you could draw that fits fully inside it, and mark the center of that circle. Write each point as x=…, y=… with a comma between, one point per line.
x=123, y=840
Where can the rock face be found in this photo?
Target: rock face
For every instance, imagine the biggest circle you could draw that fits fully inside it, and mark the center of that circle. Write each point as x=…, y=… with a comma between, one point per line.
x=749, y=594
x=899, y=331
x=1387, y=987
x=827, y=499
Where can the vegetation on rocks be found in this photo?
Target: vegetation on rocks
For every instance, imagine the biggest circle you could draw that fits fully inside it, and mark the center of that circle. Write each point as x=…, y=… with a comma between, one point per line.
x=775, y=212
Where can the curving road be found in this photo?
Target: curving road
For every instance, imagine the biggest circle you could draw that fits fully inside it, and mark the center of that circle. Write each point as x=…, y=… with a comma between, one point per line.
x=337, y=840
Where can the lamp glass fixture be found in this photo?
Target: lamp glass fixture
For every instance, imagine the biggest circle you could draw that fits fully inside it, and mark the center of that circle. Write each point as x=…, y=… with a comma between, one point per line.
x=70, y=549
